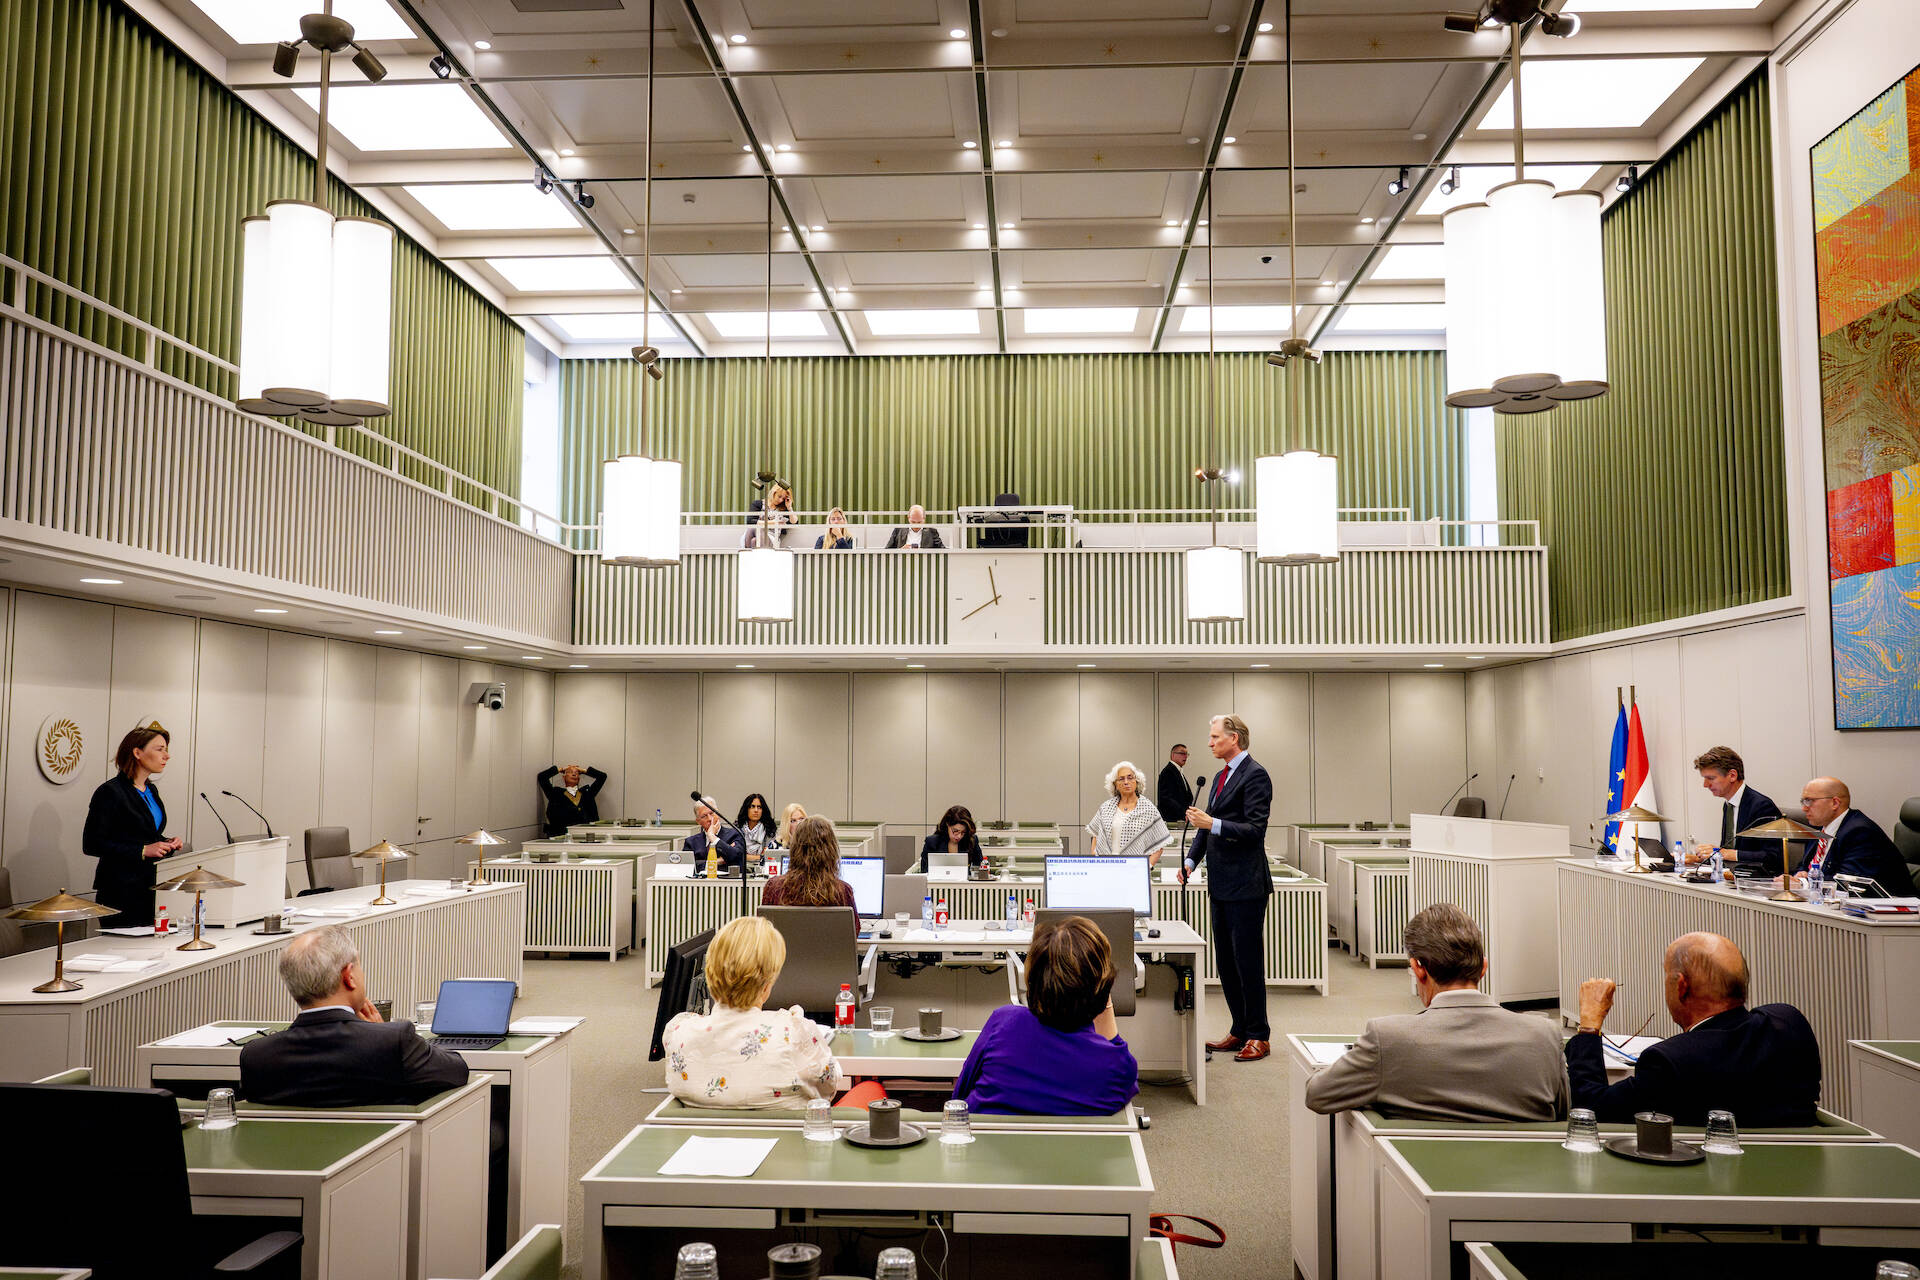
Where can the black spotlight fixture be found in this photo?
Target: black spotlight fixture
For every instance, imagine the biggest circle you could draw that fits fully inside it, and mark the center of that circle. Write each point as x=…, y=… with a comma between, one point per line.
x=580, y=196
x=542, y=182
x=1510, y=13
x=1628, y=180
x=370, y=67
x=1450, y=183
x=286, y=58
x=1398, y=186
x=440, y=65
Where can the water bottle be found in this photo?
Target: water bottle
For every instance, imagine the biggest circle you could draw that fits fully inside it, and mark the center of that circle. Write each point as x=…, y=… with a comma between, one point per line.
x=656, y=817
x=1679, y=856
x=160, y=925
x=926, y=912
x=1816, y=886
x=1026, y=916
x=1013, y=911
x=843, y=1008
x=1719, y=865
x=940, y=916
x=896, y=1264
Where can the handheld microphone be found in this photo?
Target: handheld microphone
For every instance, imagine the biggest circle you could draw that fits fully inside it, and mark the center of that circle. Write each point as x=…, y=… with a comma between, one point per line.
x=256, y=813
x=1457, y=790
x=1508, y=796
x=217, y=818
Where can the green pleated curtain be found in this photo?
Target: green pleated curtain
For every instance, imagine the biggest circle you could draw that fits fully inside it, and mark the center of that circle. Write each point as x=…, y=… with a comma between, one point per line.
x=1667, y=497
x=125, y=171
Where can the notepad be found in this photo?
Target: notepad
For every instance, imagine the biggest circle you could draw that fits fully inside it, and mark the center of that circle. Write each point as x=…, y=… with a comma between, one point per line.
x=94, y=963
x=543, y=1026
x=134, y=931
x=1630, y=1051
x=718, y=1157
x=1325, y=1053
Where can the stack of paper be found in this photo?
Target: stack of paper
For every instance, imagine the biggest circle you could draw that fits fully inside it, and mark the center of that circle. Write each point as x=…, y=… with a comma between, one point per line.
x=94, y=963
x=547, y=1026
x=718, y=1157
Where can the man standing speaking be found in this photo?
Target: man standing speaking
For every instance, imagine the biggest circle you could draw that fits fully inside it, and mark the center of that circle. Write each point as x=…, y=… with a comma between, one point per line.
x=1232, y=821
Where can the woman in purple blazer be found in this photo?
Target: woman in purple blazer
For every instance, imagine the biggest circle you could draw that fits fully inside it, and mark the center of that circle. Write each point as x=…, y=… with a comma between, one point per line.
x=1060, y=1054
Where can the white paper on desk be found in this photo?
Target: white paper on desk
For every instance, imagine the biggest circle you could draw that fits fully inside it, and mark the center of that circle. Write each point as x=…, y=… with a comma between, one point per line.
x=137, y=931
x=95, y=963
x=1326, y=1052
x=718, y=1157
x=209, y=1037
x=1170, y=875
x=552, y=1026
x=1628, y=1052
x=672, y=871
x=593, y=862
x=340, y=912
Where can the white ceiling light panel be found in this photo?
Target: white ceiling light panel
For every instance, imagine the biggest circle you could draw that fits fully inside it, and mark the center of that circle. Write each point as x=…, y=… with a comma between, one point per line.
x=1401, y=317
x=1236, y=320
x=616, y=326
x=409, y=117
x=1413, y=262
x=1609, y=93
x=1080, y=320
x=562, y=275
x=271, y=21
x=923, y=324
x=493, y=206
x=753, y=324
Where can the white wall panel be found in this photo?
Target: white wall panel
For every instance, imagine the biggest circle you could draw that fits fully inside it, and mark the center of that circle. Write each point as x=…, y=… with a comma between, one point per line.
x=813, y=744
x=963, y=726
x=1278, y=709
x=1351, y=758
x=395, y=811
x=439, y=712
x=1115, y=724
x=229, y=728
x=152, y=679
x=536, y=749
x=473, y=735
x=590, y=728
x=346, y=751
x=736, y=737
x=507, y=802
x=1040, y=750
x=663, y=737
x=290, y=769
x=890, y=748
x=1427, y=728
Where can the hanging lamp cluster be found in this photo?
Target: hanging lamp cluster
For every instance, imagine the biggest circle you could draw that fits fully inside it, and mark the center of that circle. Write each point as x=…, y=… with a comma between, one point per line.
x=767, y=571
x=640, y=493
x=1525, y=299
x=316, y=291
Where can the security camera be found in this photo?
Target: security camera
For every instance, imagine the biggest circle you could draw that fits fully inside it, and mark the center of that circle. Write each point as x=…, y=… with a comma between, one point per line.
x=1265, y=259
x=492, y=696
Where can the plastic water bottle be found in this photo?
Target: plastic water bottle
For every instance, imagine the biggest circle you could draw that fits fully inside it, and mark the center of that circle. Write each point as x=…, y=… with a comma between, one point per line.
x=843, y=1008
x=1679, y=857
x=1013, y=911
x=656, y=817
x=940, y=916
x=1816, y=884
x=926, y=912
x=1026, y=915
x=160, y=924
x=1719, y=865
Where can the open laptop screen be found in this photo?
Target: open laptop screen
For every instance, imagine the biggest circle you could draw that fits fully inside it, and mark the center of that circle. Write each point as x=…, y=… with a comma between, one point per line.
x=473, y=1007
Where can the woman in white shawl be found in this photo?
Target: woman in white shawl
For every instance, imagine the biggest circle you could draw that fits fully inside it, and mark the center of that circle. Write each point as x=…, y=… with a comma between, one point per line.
x=1126, y=824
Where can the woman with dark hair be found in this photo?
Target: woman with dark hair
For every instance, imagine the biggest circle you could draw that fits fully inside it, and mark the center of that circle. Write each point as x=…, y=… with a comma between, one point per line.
x=956, y=833
x=1060, y=1053
x=125, y=822
x=757, y=825
x=813, y=870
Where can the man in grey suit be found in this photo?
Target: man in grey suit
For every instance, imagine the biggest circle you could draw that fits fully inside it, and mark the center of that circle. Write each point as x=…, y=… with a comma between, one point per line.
x=1463, y=1057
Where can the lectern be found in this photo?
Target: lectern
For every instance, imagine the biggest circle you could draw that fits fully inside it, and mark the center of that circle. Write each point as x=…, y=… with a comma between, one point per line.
x=1501, y=874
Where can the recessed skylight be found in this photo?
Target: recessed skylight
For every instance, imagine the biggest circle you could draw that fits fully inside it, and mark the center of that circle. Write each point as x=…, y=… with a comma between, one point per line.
x=1412, y=262
x=753, y=324
x=1080, y=319
x=1612, y=93
x=1236, y=320
x=561, y=275
x=271, y=21
x=922, y=324
x=1476, y=182
x=493, y=206
x=1397, y=317
x=1662, y=6
x=409, y=117
x=614, y=326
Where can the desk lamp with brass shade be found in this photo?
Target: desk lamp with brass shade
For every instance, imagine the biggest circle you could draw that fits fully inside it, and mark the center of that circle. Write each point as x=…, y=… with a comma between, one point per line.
x=481, y=838
x=383, y=853
x=59, y=909
x=197, y=882
x=1785, y=830
x=1635, y=814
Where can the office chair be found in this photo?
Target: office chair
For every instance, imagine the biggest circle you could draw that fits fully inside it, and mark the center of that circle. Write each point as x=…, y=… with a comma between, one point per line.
x=1906, y=838
x=144, y=1181
x=1469, y=807
x=1001, y=531
x=821, y=955
x=1129, y=975
x=329, y=866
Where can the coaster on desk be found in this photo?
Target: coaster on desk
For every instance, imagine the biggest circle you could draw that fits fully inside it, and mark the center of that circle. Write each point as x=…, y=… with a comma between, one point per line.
x=1629, y=1146
x=910, y=1135
x=921, y=1037
x=269, y=933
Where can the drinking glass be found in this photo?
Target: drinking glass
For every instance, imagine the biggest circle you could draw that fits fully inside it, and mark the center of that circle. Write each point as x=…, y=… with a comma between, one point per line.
x=697, y=1262
x=896, y=1264
x=1889, y=1270
x=818, y=1126
x=880, y=1021
x=423, y=1014
x=956, y=1129
x=386, y=1009
x=220, y=1114
x=1723, y=1136
x=1583, y=1131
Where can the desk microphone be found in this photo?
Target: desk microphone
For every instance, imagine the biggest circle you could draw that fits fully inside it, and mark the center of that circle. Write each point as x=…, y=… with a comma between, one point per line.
x=1456, y=791
x=217, y=818
x=255, y=812
x=1507, y=797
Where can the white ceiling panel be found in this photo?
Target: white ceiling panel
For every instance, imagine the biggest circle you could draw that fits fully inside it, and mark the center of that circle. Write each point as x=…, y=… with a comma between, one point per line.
x=913, y=268
x=1103, y=103
x=939, y=198
x=271, y=21
x=408, y=117
x=737, y=270
x=614, y=112
x=1263, y=193
x=1085, y=266
x=1618, y=93
x=1045, y=197
x=1240, y=265
x=1111, y=11
x=894, y=107
x=805, y=15
x=1340, y=98
x=733, y=203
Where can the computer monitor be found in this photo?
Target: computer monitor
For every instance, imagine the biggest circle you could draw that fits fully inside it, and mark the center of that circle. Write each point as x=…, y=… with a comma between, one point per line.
x=685, y=960
x=473, y=1007
x=1099, y=884
x=868, y=876
x=946, y=861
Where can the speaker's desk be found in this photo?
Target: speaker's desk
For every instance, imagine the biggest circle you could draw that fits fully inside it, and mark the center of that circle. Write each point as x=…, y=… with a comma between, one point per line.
x=346, y=1182
x=1885, y=1075
x=1013, y=1205
x=447, y=1170
x=534, y=1072
x=1437, y=1194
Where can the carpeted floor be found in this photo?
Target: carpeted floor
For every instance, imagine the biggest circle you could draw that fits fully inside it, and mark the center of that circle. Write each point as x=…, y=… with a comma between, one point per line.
x=1226, y=1161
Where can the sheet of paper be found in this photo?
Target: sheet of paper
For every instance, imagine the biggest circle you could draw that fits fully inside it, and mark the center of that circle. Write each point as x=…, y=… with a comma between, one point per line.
x=718, y=1157
x=543, y=1026
x=95, y=963
x=208, y=1037
x=323, y=912
x=1324, y=1052
x=1630, y=1051
x=137, y=931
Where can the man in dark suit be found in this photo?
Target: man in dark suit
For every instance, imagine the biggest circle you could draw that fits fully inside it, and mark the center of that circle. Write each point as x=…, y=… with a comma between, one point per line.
x=338, y=1052
x=1761, y=1064
x=1851, y=843
x=1174, y=796
x=571, y=801
x=1232, y=824
x=915, y=533
x=731, y=841
x=1724, y=774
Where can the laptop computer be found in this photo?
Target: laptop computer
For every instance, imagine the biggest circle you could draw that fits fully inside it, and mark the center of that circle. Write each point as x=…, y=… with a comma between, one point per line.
x=472, y=1013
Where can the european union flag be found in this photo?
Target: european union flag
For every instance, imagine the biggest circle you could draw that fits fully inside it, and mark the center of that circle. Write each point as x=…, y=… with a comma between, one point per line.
x=1616, y=779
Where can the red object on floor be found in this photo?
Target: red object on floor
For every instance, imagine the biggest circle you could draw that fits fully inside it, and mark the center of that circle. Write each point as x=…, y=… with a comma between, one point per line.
x=861, y=1094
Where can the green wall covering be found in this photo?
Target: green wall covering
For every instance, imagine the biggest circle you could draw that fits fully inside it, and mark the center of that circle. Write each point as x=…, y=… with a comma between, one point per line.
x=1667, y=496
x=1097, y=431
x=125, y=171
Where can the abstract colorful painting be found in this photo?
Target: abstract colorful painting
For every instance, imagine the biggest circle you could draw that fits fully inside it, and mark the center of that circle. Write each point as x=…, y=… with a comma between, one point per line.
x=1866, y=217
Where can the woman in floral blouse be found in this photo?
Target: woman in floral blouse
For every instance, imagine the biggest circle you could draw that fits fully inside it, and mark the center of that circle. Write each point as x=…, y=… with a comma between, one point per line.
x=743, y=1056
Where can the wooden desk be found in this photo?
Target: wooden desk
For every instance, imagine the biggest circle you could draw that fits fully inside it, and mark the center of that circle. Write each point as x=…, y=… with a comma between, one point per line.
x=1380, y=911
x=406, y=949
x=1502, y=875
x=1885, y=1081
x=1343, y=886
x=583, y=905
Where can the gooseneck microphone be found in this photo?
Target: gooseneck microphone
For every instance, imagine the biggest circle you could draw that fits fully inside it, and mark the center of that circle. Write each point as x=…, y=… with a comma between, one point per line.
x=1456, y=791
x=255, y=812
x=217, y=818
x=1508, y=796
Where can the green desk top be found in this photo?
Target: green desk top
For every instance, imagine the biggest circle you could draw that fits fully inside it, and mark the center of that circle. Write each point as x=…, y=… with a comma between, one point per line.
x=1374, y=859
x=1905, y=1050
x=998, y=1159
x=1829, y=1125
x=512, y=1044
x=1782, y=1170
x=676, y=1110
x=297, y=1146
x=861, y=1044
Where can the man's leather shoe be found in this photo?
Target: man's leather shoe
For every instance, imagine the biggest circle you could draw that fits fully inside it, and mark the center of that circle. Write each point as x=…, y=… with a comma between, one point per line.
x=1225, y=1045
x=1253, y=1051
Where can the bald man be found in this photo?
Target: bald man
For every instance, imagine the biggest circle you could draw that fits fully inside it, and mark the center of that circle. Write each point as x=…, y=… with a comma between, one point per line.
x=1851, y=843
x=1761, y=1064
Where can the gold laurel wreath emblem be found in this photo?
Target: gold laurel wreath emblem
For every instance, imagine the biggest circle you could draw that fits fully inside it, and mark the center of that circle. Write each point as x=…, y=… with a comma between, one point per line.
x=61, y=748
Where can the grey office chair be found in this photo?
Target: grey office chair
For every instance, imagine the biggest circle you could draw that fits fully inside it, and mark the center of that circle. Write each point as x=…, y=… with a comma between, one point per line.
x=1906, y=838
x=1118, y=926
x=821, y=955
x=329, y=851
x=1002, y=529
x=901, y=852
x=1469, y=807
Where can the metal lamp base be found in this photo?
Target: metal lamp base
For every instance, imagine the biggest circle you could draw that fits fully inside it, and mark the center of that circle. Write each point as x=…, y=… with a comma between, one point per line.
x=1785, y=895
x=381, y=901
x=60, y=984
x=1637, y=870
x=198, y=944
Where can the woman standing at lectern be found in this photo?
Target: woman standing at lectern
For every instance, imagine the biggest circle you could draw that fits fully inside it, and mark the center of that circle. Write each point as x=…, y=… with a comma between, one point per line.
x=125, y=822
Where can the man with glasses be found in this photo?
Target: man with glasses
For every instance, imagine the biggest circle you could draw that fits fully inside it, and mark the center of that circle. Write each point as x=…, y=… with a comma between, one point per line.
x=1851, y=843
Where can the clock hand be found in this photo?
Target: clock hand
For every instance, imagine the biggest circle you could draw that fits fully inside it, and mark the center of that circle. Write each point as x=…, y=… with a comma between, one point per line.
x=991, y=584
x=965, y=616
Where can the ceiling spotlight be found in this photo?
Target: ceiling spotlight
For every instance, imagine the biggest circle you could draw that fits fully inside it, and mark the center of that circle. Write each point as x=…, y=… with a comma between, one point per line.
x=370, y=67
x=542, y=182
x=738, y=39
x=979, y=226
x=440, y=65
x=483, y=45
x=969, y=145
x=1398, y=186
x=1006, y=142
x=1563, y=25
x=1366, y=222
x=1173, y=222
x=1326, y=284
x=957, y=34
x=1000, y=33
x=1228, y=141
x=1265, y=27
x=748, y=147
x=1203, y=222
x=818, y=227
x=1193, y=142
x=1464, y=23
x=580, y=196
x=1450, y=183
x=783, y=147
x=1222, y=29
x=286, y=57
x=626, y=231
x=1006, y=226
x=1628, y=180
